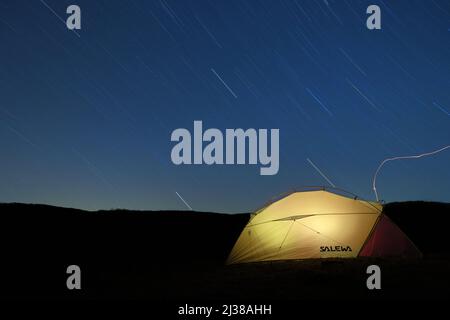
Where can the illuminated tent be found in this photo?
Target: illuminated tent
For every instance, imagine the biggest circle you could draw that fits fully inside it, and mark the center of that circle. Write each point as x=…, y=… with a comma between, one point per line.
x=320, y=224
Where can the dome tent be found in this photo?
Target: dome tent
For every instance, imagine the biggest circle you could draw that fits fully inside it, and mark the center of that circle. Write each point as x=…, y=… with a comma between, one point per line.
x=318, y=223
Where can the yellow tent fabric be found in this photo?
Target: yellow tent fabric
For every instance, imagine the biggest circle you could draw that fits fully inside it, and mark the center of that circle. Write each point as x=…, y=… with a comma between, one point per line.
x=303, y=225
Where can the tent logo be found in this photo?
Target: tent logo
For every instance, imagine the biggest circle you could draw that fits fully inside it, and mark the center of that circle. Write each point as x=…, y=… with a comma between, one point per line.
x=335, y=249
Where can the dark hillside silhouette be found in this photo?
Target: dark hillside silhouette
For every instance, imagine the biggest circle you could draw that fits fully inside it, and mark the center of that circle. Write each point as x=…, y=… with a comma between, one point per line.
x=179, y=255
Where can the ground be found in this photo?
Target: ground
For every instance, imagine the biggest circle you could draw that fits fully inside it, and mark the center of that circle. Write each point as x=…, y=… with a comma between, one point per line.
x=179, y=256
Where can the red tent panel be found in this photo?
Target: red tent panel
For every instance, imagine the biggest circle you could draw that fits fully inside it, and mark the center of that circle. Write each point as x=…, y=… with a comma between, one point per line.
x=388, y=240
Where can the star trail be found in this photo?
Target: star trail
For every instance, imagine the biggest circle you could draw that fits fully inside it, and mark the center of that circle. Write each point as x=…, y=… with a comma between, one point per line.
x=86, y=115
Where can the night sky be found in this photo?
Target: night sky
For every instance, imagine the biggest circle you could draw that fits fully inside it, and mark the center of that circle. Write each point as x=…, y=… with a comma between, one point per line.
x=86, y=116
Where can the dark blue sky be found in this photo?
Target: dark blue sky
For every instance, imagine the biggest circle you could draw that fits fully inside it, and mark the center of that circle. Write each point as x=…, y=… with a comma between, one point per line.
x=85, y=120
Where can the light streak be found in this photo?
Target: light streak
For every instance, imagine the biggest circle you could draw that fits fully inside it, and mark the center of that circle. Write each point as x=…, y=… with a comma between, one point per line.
x=187, y=205
x=374, y=182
